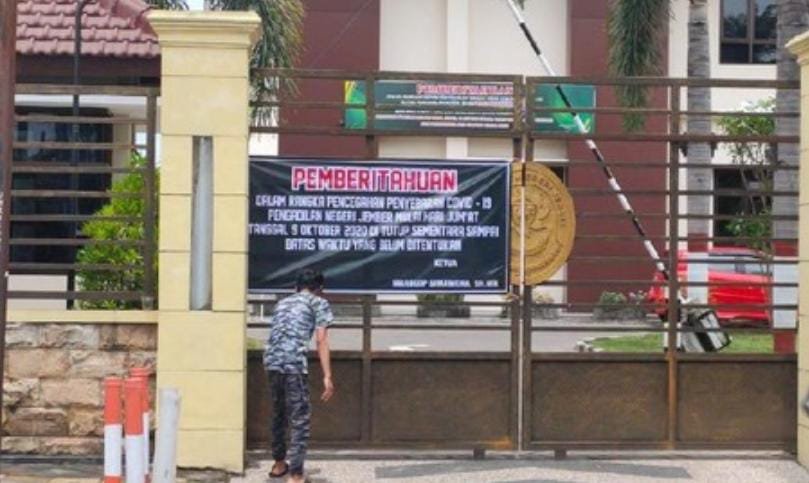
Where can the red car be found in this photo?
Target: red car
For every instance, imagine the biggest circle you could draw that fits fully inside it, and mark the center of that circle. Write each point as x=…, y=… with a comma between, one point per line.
x=748, y=274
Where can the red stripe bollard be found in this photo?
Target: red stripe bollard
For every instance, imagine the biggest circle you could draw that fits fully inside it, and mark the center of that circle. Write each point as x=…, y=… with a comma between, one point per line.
x=113, y=430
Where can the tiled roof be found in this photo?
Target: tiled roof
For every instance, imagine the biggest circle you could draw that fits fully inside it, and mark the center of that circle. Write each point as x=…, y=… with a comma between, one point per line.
x=110, y=28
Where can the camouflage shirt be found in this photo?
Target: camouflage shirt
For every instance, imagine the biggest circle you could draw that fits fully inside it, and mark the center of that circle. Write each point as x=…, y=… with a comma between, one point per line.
x=293, y=322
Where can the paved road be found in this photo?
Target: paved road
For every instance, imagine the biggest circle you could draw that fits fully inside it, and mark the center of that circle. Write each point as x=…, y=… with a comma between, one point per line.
x=421, y=339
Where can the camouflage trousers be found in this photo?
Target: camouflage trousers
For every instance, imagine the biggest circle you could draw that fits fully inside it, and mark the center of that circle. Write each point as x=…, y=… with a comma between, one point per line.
x=290, y=401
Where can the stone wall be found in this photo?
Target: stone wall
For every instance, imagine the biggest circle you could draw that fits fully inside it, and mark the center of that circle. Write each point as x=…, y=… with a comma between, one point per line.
x=54, y=373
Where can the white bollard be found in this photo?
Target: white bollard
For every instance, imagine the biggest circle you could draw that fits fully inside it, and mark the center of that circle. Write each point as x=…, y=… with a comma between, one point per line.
x=142, y=373
x=165, y=458
x=133, y=428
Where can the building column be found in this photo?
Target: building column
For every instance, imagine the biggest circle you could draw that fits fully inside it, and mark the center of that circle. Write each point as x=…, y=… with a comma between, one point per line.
x=800, y=47
x=203, y=189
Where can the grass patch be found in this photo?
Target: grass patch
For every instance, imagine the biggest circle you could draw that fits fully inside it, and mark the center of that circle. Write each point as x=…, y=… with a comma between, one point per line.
x=746, y=343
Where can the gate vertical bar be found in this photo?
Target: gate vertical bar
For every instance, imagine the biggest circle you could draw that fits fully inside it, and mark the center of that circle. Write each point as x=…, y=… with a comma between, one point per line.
x=525, y=304
x=367, y=413
x=148, y=297
x=75, y=137
x=673, y=281
x=8, y=77
x=517, y=127
x=371, y=152
x=527, y=386
x=516, y=420
x=516, y=358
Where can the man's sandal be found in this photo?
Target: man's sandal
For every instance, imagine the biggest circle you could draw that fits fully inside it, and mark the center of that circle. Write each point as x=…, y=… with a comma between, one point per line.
x=281, y=474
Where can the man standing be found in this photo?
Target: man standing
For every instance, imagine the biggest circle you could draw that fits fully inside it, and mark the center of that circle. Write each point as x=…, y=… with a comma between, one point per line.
x=294, y=320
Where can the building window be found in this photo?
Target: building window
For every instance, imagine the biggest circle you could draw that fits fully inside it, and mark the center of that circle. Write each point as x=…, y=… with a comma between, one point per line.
x=732, y=205
x=748, y=32
x=55, y=132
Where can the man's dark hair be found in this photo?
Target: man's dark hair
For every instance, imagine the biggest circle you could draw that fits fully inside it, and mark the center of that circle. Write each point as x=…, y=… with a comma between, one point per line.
x=310, y=280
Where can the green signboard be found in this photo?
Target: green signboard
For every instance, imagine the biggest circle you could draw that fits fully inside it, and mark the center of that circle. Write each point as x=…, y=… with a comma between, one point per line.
x=408, y=105
x=548, y=96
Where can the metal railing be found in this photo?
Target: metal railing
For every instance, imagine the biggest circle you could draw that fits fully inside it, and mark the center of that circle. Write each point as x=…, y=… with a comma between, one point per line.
x=63, y=184
x=622, y=383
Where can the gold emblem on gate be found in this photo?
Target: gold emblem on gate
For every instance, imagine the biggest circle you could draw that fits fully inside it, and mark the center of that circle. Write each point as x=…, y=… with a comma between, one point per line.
x=550, y=218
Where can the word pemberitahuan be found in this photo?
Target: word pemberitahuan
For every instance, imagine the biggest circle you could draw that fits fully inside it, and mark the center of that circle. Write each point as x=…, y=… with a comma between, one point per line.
x=355, y=178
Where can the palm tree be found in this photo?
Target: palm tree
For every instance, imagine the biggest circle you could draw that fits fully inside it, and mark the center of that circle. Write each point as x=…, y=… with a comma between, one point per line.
x=635, y=29
x=792, y=19
x=699, y=99
x=280, y=44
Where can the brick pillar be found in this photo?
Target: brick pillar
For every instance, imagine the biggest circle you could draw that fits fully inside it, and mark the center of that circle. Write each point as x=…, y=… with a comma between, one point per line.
x=205, y=94
x=800, y=47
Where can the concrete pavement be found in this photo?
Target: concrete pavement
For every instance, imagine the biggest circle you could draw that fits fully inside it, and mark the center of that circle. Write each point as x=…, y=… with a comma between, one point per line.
x=79, y=470
x=706, y=467
x=351, y=467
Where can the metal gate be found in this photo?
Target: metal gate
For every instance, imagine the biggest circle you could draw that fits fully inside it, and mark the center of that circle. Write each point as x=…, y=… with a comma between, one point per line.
x=582, y=361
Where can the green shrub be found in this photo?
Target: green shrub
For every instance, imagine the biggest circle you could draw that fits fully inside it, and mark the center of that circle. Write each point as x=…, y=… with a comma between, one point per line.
x=542, y=298
x=543, y=306
x=754, y=221
x=611, y=298
x=131, y=279
x=750, y=153
x=425, y=309
x=617, y=306
x=756, y=229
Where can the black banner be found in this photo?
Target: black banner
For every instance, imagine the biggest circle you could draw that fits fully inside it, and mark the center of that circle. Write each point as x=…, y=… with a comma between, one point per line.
x=380, y=226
